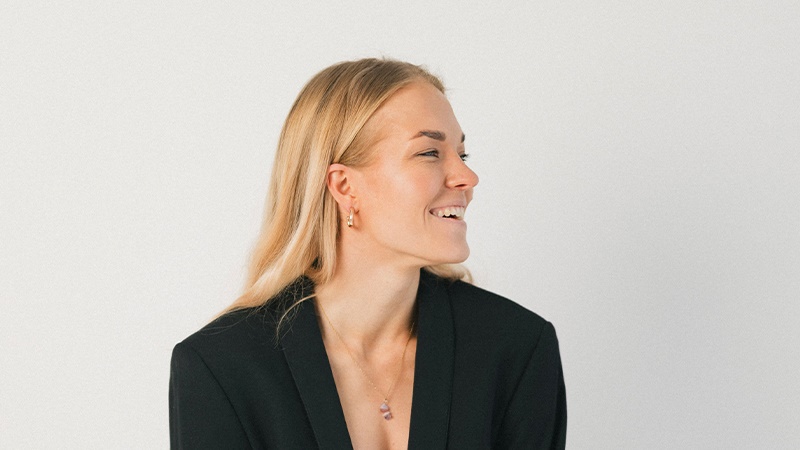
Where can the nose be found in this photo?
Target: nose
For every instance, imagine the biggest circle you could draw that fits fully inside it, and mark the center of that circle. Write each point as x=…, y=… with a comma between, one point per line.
x=459, y=175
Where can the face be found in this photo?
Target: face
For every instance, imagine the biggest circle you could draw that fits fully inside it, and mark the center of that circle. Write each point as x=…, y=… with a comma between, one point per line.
x=411, y=197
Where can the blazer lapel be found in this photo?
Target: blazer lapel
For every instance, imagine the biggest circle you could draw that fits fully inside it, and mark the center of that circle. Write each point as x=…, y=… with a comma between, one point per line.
x=311, y=370
x=433, y=372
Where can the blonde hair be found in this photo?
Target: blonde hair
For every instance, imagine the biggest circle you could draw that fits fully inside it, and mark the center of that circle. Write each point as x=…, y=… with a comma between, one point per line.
x=325, y=126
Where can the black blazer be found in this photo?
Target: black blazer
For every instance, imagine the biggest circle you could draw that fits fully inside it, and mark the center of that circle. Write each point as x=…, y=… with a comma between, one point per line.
x=487, y=375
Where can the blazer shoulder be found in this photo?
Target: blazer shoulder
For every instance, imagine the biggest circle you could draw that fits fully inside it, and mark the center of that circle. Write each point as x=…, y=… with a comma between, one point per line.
x=468, y=296
x=250, y=331
x=478, y=309
x=236, y=332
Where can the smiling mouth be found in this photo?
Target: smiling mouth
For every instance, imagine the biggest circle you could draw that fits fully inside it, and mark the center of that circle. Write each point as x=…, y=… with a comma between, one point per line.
x=449, y=212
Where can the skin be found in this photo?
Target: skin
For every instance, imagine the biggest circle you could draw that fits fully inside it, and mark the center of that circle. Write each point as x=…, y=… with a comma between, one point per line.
x=417, y=167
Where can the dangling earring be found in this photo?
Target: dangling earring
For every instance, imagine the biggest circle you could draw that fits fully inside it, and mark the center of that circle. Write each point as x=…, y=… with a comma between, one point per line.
x=350, y=219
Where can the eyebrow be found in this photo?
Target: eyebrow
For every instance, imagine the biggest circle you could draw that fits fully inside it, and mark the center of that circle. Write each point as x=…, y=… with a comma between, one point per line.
x=437, y=135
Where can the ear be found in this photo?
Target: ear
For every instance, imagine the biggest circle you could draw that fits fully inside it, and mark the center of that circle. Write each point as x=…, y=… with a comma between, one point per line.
x=340, y=184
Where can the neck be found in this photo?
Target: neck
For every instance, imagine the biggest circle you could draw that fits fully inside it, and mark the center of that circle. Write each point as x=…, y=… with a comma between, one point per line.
x=370, y=304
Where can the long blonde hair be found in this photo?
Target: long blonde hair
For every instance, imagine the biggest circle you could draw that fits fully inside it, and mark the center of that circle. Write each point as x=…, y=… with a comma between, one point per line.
x=301, y=221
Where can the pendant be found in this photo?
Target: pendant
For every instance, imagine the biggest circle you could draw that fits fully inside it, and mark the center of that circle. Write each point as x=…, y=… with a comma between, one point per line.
x=387, y=414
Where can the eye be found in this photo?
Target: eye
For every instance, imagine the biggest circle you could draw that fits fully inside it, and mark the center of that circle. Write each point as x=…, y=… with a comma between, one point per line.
x=431, y=152
x=464, y=156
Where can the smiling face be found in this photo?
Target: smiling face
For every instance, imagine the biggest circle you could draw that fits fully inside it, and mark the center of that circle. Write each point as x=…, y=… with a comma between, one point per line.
x=411, y=197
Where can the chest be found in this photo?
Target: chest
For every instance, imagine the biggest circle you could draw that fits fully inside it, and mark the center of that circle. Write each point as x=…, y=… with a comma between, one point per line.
x=362, y=390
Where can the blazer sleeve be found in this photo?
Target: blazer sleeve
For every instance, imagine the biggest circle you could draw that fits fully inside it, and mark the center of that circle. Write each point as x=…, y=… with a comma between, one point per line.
x=536, y=417
x=200, y=414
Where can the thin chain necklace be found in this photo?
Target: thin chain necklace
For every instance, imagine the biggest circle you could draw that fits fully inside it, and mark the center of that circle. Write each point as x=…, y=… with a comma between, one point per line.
x=386, y=412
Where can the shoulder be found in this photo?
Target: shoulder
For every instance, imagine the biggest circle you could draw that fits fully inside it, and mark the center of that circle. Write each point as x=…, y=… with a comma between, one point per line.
x=490, y=305
x=481, y=315
x=249, y=331
x=239, y=335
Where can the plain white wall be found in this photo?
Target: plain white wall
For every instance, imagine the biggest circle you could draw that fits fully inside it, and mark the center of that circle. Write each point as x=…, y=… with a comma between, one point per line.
x=639, y=188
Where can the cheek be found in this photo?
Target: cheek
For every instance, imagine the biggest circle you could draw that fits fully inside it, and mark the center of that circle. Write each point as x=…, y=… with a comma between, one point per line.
x=405, y=184
x=416, y=194
x=401, y=198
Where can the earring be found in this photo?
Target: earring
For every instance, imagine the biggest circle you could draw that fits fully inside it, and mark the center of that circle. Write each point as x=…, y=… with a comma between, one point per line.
x=350, y=218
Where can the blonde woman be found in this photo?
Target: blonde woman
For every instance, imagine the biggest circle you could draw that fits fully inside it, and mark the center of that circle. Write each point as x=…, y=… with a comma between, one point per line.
x=357, y=327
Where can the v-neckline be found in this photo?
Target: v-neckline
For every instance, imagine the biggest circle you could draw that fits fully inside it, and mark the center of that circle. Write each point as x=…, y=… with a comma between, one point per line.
x=433, y=371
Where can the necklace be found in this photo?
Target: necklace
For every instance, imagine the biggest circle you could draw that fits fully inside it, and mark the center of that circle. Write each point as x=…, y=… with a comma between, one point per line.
x=386, y=412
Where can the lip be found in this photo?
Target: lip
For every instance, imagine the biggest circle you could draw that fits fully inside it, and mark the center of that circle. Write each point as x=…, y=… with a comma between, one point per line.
x=459, y=220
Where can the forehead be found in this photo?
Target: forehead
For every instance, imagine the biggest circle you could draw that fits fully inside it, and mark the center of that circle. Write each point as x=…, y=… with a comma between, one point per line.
x=414, y=108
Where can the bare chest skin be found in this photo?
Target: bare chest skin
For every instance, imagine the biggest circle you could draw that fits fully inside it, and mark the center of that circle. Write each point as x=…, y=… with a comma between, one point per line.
x=361, y=402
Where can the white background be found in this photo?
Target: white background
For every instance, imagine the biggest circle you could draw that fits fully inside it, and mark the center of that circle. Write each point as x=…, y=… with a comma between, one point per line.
x=639, y=188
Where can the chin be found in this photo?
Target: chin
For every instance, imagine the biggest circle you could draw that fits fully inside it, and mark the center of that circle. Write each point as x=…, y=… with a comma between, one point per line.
x=455, y=255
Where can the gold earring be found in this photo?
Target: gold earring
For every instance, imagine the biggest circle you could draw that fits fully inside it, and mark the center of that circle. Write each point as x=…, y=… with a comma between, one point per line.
x=350, y=218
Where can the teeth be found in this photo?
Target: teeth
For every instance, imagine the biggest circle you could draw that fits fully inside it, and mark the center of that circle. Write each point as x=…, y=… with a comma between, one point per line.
x=455, y=211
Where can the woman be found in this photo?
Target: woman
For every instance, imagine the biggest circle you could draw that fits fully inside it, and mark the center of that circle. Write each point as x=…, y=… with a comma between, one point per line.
x=356, y=329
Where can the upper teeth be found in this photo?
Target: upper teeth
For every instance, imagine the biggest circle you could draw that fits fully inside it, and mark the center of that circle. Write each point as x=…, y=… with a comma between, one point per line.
x=457, y=211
